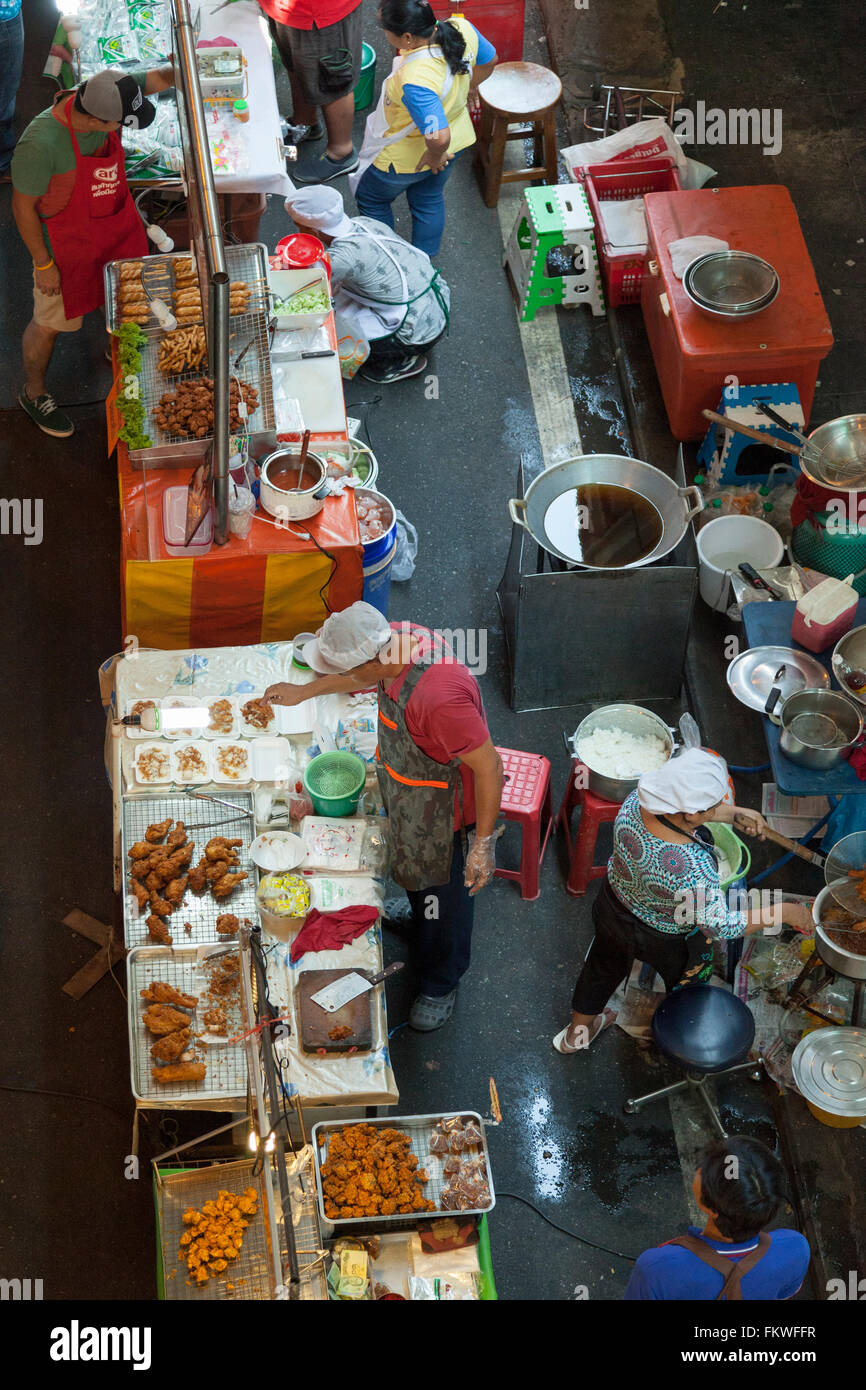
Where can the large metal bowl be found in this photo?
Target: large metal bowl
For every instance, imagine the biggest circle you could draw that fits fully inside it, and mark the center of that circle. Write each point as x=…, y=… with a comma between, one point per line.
x=631, y=719
x=832, y=953
x=842, y=445
x=851, y=650
x=731, y=284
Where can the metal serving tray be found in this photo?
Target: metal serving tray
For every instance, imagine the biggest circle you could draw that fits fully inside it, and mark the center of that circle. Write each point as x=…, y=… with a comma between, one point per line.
x=226, y=1077
x=251, y=1273
x=247, y=263
x=420, y=1129
x=201, y=912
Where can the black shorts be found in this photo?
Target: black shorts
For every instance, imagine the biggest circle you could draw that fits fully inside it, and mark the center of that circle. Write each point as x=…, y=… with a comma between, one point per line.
x=326, y=63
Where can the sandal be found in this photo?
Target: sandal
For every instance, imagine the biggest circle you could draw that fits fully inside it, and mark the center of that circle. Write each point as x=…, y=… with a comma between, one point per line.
x=608, y=1017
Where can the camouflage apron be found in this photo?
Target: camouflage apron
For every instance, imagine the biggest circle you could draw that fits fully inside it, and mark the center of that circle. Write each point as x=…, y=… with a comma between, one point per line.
x=418, y=794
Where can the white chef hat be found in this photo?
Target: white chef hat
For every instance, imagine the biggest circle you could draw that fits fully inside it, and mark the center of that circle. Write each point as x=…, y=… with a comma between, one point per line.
x=348, y=639
x=320, y=207
x=694, y=781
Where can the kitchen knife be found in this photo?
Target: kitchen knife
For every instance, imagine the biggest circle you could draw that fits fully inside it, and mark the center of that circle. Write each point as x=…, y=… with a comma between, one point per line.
x=334, y=996
x=304, y=356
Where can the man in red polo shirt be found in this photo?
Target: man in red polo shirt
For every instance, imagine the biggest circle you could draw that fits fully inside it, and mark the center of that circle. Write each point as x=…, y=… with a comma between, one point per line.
x=319, y=42
x=440, y=778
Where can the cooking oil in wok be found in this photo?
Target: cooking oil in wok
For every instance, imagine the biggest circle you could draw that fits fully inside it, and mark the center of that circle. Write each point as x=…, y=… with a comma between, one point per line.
x=603, y=525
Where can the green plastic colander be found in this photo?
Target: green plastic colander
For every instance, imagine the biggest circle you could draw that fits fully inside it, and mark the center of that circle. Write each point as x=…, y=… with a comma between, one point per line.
x=335, y=782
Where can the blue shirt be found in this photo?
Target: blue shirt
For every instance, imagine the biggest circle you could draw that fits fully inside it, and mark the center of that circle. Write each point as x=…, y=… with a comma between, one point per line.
x=424, y=106
x=669, y=1272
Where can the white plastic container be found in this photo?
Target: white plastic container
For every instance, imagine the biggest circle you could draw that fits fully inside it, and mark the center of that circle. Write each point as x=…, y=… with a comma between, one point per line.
x=152, y=764
x=249, y=730
x=824, y=614
x=272, y=760
x=239, y=776
x=282, y=284
x=725, y=543
x=191, y=775
x=232, y=731
x=174, y=526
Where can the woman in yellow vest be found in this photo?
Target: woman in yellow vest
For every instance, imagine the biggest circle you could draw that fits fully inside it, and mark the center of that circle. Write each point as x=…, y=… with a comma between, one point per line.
x=422, y=120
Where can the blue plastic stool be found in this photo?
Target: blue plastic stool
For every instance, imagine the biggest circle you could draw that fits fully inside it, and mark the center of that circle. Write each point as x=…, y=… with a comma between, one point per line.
x=707, y=1032
x=720, y=462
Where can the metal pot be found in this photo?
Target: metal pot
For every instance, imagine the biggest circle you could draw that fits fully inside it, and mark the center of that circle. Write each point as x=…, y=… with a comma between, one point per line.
x=631, y=719
x=293, y=504
x=838, y=957
x=655, y=487
x=818, y=727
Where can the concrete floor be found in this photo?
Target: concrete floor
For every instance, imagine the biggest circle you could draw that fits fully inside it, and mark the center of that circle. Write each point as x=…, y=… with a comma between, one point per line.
x=75, y=1219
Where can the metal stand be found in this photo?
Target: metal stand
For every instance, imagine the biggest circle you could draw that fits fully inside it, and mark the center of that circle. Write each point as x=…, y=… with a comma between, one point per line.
x=577, y=635
x=698, y=1082
x=798, y=997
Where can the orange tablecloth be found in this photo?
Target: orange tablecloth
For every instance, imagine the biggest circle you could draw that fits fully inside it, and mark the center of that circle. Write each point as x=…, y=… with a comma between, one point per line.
x=265, y=588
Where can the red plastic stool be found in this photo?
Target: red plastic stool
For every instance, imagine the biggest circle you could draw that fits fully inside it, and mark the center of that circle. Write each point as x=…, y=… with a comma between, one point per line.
x=594, y=811
x=527, y=798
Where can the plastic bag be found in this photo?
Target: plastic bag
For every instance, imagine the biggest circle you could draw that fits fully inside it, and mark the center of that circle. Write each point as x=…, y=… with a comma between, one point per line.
x=446, y=1286
x=403, y=566
x=647, y=139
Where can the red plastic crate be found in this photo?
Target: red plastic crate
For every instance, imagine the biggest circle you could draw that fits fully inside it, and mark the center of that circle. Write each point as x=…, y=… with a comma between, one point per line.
x=615, y=181
x=500, y=21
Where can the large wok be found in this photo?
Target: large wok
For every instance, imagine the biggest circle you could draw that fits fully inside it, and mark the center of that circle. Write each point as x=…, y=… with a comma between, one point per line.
x=671, y=502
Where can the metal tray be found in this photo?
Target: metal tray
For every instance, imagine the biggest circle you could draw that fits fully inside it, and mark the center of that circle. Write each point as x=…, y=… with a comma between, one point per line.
x=751, y=676
x=420, y=1129
x=251, y=1273
x=247, y=263
x=201, y=912
x=226, y=1077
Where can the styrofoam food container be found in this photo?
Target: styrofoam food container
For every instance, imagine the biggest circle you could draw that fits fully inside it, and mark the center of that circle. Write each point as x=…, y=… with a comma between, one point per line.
x=282, y=284
x=130, y=729
x=183, y=702
x=153, y=746
x=252, y=730
x=296, y=719
x=277, y=851
x=234, y=730
x=196, y=778
x=226, y=778
x=272, y=760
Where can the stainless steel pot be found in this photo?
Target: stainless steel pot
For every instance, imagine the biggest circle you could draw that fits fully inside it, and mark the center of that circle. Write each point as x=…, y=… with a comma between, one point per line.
x=631, y=719
x=670, y=501
x=838, y=957
x=818, y=727
x=293, y=504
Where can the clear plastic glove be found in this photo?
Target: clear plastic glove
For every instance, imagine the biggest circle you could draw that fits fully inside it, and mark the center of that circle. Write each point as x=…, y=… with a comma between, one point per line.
x=480, y=863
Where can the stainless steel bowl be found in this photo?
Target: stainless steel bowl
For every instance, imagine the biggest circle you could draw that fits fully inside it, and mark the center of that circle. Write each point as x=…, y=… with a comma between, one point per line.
x=731, y=284
x=818, y=728
x=631, y=719
x=833, y=953
x=850, y=650
x=842, y=446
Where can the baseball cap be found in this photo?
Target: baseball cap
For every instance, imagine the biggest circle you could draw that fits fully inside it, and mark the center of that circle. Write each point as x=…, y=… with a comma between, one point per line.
x=115, y=96
x=347, y=640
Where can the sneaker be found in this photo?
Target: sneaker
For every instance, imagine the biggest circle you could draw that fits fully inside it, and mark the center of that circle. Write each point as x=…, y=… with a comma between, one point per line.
x=428, y=1014
x=322, y=168
x=384, y=376
x=44, y=413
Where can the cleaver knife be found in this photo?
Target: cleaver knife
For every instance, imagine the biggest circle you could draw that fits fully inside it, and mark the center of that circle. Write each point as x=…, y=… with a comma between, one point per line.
x=334, y=996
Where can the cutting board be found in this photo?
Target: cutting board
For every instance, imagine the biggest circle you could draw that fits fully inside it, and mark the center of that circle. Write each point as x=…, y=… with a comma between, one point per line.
x=316, y=1022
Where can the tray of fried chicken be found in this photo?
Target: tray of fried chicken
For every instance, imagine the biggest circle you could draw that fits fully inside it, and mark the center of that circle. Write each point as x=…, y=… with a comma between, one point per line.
x=184, y=885
x=402, y=1168
x=184, y=1014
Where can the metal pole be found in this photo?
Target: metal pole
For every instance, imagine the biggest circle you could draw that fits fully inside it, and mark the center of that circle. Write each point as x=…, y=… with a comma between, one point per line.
x=208, y=244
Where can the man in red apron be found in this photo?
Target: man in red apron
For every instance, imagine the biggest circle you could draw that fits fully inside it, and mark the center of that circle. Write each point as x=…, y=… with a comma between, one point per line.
x=74, y=213
x=440, y=778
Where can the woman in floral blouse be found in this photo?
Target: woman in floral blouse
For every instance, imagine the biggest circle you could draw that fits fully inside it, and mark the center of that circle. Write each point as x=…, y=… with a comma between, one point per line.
x=661, y=901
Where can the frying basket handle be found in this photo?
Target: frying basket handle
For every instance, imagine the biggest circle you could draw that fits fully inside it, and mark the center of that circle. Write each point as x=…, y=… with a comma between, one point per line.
x=517, y=511
x=699, y=505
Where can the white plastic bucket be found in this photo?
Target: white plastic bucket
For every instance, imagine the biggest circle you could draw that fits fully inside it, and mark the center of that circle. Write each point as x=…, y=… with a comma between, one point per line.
x=727, y=542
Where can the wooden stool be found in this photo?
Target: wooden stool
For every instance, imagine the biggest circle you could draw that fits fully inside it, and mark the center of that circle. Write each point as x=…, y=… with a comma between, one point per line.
x=524, y=93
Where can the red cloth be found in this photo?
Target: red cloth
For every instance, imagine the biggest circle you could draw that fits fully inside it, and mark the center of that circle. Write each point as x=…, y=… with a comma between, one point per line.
x=857, y=760
x=302, y=14
x=330, y=931
x=445, y=715
x=812, y=498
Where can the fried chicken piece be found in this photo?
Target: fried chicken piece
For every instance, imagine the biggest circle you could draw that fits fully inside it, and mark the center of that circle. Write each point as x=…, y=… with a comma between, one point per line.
x=160, y=907
x=153, y=884
x=197, y=876
x=160, y=992
x=227, y=884
x=174, y=866
x=155, y=833
x=179, y=1071
x=175, y=890
x=221, y=848
x=161, y=1019
x=142, y=896
x=140, y=850
x=139, y=870
x=177, y=836
x=213, y=872
x=158, y=931
x=227, y=924
x=171, y=1046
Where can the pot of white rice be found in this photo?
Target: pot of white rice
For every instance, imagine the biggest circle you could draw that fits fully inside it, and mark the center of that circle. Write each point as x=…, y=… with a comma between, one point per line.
x=618, y=744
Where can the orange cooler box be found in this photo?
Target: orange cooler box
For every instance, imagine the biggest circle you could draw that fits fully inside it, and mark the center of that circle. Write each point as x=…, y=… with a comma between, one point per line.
x=694, y=352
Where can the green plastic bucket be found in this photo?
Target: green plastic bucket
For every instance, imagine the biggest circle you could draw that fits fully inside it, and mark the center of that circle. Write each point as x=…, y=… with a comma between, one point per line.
x=335, y=782
x=737, y=853
x=364, y=89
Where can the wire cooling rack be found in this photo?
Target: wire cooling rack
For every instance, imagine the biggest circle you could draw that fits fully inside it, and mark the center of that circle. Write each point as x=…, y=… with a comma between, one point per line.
x=200, y=912
x=250, y=1275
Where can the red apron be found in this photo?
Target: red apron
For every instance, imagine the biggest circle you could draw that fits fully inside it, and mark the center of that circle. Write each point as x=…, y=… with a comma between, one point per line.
x=99, y=224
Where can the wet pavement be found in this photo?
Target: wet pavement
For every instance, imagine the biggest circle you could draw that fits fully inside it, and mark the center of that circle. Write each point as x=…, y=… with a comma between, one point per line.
x=565, y=1145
